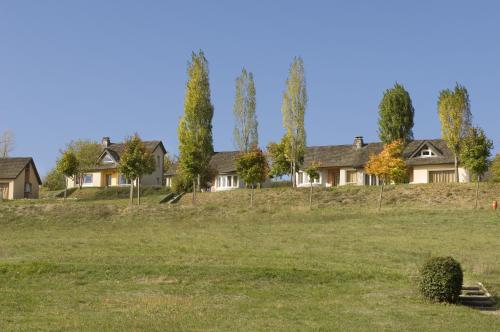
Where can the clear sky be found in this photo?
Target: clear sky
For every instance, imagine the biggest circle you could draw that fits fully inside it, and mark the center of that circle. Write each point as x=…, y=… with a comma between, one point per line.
x=87, y=69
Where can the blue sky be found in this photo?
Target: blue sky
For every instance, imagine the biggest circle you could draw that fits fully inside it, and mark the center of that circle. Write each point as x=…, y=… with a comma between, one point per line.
x=87, y=69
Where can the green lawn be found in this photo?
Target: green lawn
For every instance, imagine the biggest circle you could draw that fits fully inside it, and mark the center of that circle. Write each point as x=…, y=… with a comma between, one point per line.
x=220, y=266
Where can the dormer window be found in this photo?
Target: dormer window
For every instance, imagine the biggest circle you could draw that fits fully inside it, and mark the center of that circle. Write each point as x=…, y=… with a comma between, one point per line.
x=427, y=152
x=107, y=159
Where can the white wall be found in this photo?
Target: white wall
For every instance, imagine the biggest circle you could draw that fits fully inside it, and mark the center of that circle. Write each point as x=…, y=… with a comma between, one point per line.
x=323, y=179
x=421, y=173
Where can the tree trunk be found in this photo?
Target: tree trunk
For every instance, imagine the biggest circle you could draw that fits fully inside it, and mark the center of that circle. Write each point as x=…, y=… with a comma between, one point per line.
x=311, y=196
x=292, y=177
x=198, y=183
x=194, y=191
x=131, y=192
x=65, y=187
x=457, y=179
x=380, y=196
x=477, y=192
x=80, y=184
x=138, y=191
x=251, y=196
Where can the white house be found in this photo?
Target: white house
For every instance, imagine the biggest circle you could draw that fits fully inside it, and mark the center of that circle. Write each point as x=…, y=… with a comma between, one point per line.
x=429, y=161
x=105, y=172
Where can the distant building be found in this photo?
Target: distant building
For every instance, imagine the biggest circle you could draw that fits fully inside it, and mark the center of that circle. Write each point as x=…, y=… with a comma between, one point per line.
x=106, y=174
x=428, y=161
x=223, y=165
x=19, y=178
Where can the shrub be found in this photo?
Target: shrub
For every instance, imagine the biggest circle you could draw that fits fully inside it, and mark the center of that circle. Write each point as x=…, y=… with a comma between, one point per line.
x=441, y=279
x=181, y=184
x=54, y=180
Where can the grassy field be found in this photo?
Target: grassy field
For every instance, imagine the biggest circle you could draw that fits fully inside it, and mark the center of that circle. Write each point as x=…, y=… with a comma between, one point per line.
x=89, y=264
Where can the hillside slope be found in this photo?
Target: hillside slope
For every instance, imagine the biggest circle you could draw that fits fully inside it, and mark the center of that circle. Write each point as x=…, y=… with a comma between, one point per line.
x=423, y=196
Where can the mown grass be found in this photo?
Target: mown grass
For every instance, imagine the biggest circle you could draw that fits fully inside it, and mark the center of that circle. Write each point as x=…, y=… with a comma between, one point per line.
x=221, y=266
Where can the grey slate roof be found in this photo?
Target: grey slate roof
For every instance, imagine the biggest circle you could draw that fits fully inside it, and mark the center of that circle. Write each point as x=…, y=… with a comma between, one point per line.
x=350, y=156
x=10, y=168
x=223, y=162
x=116, y=149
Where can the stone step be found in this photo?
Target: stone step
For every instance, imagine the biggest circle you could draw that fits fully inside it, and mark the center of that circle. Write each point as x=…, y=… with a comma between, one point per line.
x=469, y=293
x=477, y=297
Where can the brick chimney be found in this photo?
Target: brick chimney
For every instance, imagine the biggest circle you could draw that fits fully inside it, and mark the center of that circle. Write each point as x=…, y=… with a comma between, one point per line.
x=106, y=141
x=358, y=142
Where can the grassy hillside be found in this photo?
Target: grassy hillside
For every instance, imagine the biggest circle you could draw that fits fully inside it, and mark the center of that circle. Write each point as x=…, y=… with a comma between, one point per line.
x=417, y=196
x=220, y=266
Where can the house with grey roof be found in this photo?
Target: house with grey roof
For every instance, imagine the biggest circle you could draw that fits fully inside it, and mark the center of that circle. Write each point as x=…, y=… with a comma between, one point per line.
x=428, y=161
x=223, y=165
x=19, y=178
x=105, y=173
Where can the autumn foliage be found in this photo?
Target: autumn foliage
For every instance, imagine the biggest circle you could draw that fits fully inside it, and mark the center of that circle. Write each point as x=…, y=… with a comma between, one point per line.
x=389, y=165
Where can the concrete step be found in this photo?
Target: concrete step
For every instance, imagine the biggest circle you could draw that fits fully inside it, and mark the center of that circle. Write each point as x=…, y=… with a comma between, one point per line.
x=477, y=297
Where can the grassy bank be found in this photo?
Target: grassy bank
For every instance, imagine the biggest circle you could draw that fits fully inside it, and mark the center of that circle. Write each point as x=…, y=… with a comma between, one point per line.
x=100, y=265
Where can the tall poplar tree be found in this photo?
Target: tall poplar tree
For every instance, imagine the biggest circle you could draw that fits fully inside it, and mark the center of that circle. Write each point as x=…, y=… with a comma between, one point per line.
x=396, y=114
x=195, y=126
x=456, y=119
x=245, y=128
x=293, y=109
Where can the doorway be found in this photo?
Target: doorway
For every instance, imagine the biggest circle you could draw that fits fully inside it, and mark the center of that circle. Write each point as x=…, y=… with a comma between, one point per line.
x=4, y=191
x=109, y=179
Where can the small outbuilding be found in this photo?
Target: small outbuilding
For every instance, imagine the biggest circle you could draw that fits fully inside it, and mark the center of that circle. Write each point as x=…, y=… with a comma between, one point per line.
x=19, y=178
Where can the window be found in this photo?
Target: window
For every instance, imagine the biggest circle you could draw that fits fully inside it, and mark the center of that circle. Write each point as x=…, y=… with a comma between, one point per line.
x=427, y=152
x=87, y=178
x=158, y=161
x=107, y=159
x=227, y=181
x=351, y=176
x=442, y=176
x=158, y=181
x=27, y=187
x=168, y=181
x=371, y=180
x=123, y=180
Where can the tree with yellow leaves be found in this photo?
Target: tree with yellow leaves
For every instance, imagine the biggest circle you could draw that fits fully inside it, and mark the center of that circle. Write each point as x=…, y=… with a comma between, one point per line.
x=388, y=166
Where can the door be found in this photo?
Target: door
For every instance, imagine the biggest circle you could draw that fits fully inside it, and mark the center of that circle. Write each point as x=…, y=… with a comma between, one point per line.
x=333, y=177
x=4, y=191
x=109, y=178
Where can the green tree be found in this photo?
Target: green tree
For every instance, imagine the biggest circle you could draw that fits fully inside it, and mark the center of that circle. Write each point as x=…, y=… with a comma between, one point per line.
x=280, y=164
x=456, y=119
x=252, y=168
x=293, y=109
x=136, y=161
x=54, y=180
x=495, y=168
x=475, y=153
x=313, y=174
x=388, y=166
x=67, y=165
x=245, y=129
x=396, y=114
x=195, y=126
x=86, y=152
